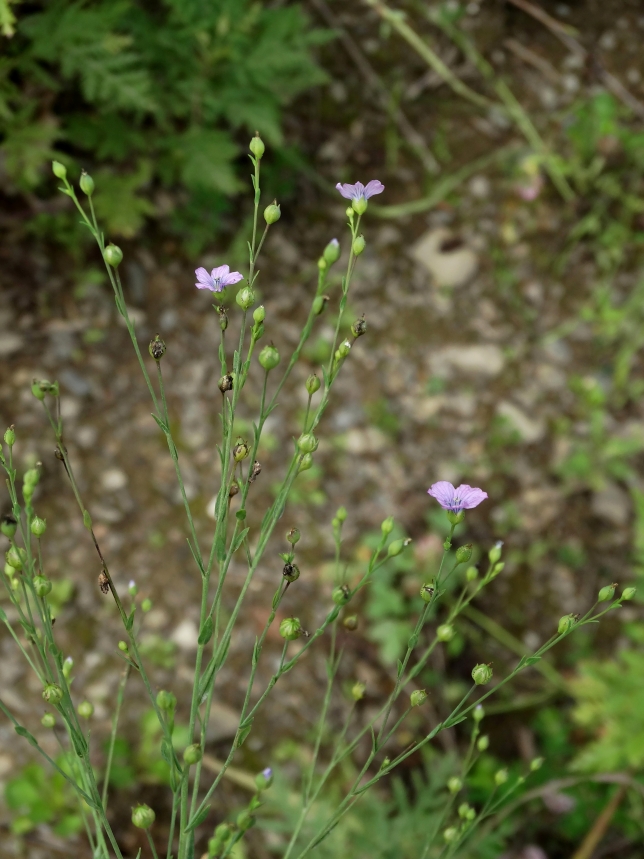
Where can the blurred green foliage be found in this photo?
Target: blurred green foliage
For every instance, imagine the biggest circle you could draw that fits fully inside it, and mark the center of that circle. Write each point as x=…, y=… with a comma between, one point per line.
x=40, y=795
x=154, y=99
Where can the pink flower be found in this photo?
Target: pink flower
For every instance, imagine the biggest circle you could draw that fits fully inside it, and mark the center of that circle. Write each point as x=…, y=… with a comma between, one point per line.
x=217, y=279
x=359, y=191
x=462, y=498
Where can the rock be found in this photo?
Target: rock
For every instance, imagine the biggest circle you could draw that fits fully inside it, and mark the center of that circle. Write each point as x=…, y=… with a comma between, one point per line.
x=185, y=635
x=113, y=479
x=367, y=440
x=10, y=343
x=484, y=360
x=529, y=428
x=448, y=259
x=612, y=504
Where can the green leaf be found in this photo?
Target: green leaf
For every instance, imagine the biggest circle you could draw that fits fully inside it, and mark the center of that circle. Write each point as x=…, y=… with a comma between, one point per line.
x=206, y=632
x=243, y=733
x=239, y=539
x=162, y=426
x=23, y=732
x=197, y=819
x=220, y=548
x=87, y=520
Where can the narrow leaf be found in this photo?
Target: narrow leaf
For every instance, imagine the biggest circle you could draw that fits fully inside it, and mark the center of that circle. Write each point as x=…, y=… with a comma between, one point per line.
x=206, y=632
x=162, y=426
x=239, y=540
x=198, y=818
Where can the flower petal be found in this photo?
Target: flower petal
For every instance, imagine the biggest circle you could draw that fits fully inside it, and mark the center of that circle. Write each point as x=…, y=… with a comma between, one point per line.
x=202, y=275
x=220, y=271
x=233, y=277
x=373, y=187
x=346, y=190
x=209, y=286
x=443, y=492
x=470, y=496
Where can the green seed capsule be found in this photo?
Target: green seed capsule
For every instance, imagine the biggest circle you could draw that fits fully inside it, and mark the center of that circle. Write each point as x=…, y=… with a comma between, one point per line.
x=86, y=184
x=256, y=146
x=290, y=628
x=481, y=674
x=269, y=357
x=272, y=213
x=143, y=817
x=113, y=256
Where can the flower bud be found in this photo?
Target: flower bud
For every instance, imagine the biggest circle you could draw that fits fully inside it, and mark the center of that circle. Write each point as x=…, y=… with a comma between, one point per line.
x=343, y=350
x=455, y=518
x=256, y=146
x=387, y=526
x=166, y=701
x=52, y=693
x=566, y=623
x=59, y=170
x=245, y=297
x=223, y=832
x=68, y=664
x=417, y=697
x=113, y=255
x=48, y=720
x=146, y=605
x=319, y=304
x=495, y=552
x=143, y=817
x=396, y=547
x=471, y=574
x=132, y=588
x=454, y=784
x=259, y=314
x=607, y=593
x=500, y=777
x=536, y=764
x=359, y=327
x=358, y=245
x=341, y=514
x=358, y=690
x=427, y=592
x=466, y=812
x=122, y=645
x=193, y=754
x=290, y=628
x=86, y=184
x=86, y=709
x=349, y=213
x=312, y=384
x=483, y=743
x=244, y=820
x=38, y=526
x=240, y=450
x=264, y=779
x=39, y=389
x=157, y=347
x=42, y=586
x=31, y=477
x=291, y=572
x=481, y=674
x=293, y=536
x=445, y=632
x=272, y=213
x=341, y=595
x=269, y=357
x=628, y=593
x=350, y=622
x=16, y=557
x=305, y=463
x=226, y=383
x=464, y=553
x=10, y=436
x=331, y=252
x=8, y=525
x=450, y=834
x=307, y=443
x=479, y=713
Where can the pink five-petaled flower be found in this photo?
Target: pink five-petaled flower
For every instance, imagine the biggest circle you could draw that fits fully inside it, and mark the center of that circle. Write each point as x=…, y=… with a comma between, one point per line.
x=463, y=497
x=217, y=279
x=360, y=191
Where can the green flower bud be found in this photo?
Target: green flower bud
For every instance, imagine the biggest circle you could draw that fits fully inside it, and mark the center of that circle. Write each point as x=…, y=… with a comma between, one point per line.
x=359, y=327
x=39, y=389
x=42, y=586
x=455, y=518
x=331, y=252
x=291, y=628
x=68, y=664
x=28, y=493
x=350, y=622
x=245, y=298
x=264, y=779
x=113, y=255
x=471, y=574
x=322, y=264
x=481, y=674
x=500, y=777
x=445, y=632
x=166, y=701
x=146, y=605
x=464, y=553
x=157, y=347
x=343, y=350
x=16, y=557
x=466, y=812
x=10, y=436
x=359, y=205
x=307, y=443
x=479, y=713
x=226, y=383
x=48, y=720
x=223, y=832
x=495, y=552
x=417, y=697
x=52, y=693
x=607, y=593
x=38, y=526
x=269, y=357
x=143, y=817
x=193, y=754
x=628, y=593
x=566, y=623
x=427, y=592
x=86, y=184
x=305, y=463
x=86, y=709
x=272, y=213
x=293, y=536
x=319, y=304
x=256, y=146
x=132, y=588
x=341, y=514
x=483, y=743
x=244, y=820
x=387, y=526
x=32, y=477
x=8, y=525
x=454, y=784
x=396, y=547
x=358, y=690
x=240, y=450
x=450, y=834
x=536, y=764
x=259, y=314
x=358, y=245
x=122, y=646
x=59, y=170
x=313, y=384
x=291, y=572
x=341, y=595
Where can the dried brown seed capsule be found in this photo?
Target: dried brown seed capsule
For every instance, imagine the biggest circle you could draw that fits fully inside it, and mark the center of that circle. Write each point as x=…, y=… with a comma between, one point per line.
x=226, y=383
x=234, y=489
x=157, y=347
x=291, y=572
x=257, y=468
x=104, y=582
x=359, y=327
